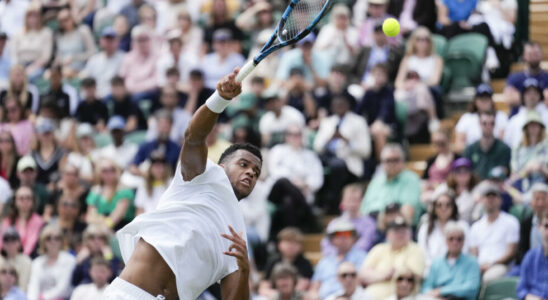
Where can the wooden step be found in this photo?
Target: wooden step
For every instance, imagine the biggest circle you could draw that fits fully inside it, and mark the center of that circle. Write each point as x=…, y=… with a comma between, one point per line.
x=313, y=256
x=312, y=242
x=501, y=103
x=516, y=67
x=498, y=85
x=420, y=152
x=327, y=219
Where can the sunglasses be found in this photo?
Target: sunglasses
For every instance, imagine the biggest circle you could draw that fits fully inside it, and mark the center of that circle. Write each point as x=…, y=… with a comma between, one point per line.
x=394, y=160
x=455, y=238
x=348, y=275
x=98, y=236
x=9, y=239
x=423, y=39
x=10, y=272
x=408, y=279
x=442, y=205
x=53, y=238
x=343, y=234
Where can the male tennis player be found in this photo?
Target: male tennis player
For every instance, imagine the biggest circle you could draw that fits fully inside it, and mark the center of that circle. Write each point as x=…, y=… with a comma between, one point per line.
x=180, y=249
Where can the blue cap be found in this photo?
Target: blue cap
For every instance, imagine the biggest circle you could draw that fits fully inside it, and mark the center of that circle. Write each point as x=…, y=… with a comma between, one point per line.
x=116, y=122
x=310, y=38
x=484, y=90
x=108, y=32
x=45, y=125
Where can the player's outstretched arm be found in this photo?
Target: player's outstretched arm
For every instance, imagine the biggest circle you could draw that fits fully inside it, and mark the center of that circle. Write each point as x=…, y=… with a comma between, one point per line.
x=194, y=151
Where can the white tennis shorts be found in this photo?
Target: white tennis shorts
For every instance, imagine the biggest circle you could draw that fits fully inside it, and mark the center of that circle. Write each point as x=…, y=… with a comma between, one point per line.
x=120, y=289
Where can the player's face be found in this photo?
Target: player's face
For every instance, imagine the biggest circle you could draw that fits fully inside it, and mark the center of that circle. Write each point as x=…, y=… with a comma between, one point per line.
x=243, y=169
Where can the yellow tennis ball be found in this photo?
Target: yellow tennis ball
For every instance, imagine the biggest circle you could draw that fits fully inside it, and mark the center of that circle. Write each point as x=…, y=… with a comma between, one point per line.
x=391, y=27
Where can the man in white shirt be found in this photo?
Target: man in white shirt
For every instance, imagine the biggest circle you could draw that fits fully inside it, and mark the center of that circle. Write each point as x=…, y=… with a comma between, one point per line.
x=222, y=59
x=183, y=61
x=181, y=248
x=12, y=16
x=348, y=277
x=100, y=273
x=277, y=119
x=5, y=192
x=120, y=152
x=493, y=238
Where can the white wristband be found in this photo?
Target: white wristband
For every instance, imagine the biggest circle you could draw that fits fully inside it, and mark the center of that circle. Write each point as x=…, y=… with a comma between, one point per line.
x=216, y=103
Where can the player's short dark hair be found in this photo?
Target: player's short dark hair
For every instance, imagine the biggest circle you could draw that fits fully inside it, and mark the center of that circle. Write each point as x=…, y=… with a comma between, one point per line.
x=241, y=146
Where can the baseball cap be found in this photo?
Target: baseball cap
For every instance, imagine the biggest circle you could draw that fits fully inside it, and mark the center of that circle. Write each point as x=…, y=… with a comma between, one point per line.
x=11, y=232
x=461, y=162
x=222, y=35
x=108, y=32
x=498, y=173
x=399, y=222
x=392, y=207
x=484, y=90
x=116, y=123
x=531, y=83
x=533, y=117
x=340, y=225
x=310, y=38
x=83, y=130
x=485, y=188
x=45, y=125
x=539, y=187
x=26, y=162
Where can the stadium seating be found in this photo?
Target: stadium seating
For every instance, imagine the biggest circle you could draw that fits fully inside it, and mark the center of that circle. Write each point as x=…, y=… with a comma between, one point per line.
x=501, y=289
x=464, y=57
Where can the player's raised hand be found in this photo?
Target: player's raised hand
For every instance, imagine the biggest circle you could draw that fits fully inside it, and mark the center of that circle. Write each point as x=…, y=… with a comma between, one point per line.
x=238, y=249
x=227, y=87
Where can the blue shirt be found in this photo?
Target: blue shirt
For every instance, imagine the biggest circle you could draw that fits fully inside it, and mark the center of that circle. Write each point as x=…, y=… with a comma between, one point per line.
x=460, y=10
x=516, y=80
x=326, y=270
x=5, y=66
x=460, y=280
x=15, y=294
x=533, y=274
x=171, y=152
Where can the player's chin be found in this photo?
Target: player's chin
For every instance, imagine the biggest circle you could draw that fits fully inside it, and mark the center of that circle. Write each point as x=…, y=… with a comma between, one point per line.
x=244, y=190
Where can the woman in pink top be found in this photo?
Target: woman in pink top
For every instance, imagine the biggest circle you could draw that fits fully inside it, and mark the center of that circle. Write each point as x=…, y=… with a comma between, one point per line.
x=22, y=216
x=20, y=127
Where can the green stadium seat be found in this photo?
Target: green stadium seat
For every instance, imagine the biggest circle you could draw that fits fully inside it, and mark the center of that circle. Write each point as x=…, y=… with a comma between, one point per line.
x=102, y=140
x=520, y=211
x=136, y=137
x=464, y=58
x=501, y=289
x=440, y=44
x=145, y=105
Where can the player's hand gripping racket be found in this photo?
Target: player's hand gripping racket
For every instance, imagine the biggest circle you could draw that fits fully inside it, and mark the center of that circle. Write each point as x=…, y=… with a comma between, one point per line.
x=298, y=20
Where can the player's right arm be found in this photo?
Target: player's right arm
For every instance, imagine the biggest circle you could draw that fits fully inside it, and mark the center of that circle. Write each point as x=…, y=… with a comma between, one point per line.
x=194, y=151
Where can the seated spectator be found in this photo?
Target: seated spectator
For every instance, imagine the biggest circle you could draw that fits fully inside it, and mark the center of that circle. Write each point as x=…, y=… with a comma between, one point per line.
x=455, y=275
x=462, y=181
x=156, y=182
x=8, y=158
x=431, y=236
x=69, y=187
x=20, y=127
x=170, y=103
x=119, y=151
x=343, y=236
x=197, y=92
x=390, y=213
x=529, y=236
x=284, y=282
x=299, y=94
x=222, y=60
x=532, y=57
x=348, y=277
x=48, y=153
x=365, y=225
x=91, y=110
x=488, y=152
x=95, y=245
x=22, y=216
x=375, y=12
x=74, y=44
x=337, y=83
x=385, y=259
x=494, y=238
x=301, y=166
x=218, y=15
x=67, y=217
x=5, y=60
x=128, y=9
x=105, y=65
x=119, y=104
x=395, y=184
x=122, y=27
x=57, y=97
x=453, y=15
x=51, y=271
x=257, y=18
x=509, y=194
x=339, y=37
x=169, y=148
x=530, y=156
x=343, y=144
x=12, y=253
x=27, y=174
x=33, y=46
x=8, y=283
x=277, y=119
x=468, y=129
x=379, y=109
x=405, y=284
x=438, y=166
x=109, y=202
x=100, y=273
x=531, y=99
x=21, y=90
x=533, y=277
x=139, y=65
x=264, y=69
x=191, y=34
x=183, y=62
x=80, y=157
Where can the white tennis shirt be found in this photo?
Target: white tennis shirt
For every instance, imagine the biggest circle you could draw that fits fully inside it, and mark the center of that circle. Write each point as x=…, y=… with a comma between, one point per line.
x=185, y=229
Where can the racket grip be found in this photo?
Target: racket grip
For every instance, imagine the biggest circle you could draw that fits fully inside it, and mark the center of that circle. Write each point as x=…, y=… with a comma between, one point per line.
x=245, y=70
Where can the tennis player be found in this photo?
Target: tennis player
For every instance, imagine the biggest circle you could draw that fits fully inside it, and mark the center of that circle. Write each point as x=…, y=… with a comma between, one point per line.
x=196, y=237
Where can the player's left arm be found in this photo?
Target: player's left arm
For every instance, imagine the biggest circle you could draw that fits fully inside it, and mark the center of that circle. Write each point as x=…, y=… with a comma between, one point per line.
x=236, y=285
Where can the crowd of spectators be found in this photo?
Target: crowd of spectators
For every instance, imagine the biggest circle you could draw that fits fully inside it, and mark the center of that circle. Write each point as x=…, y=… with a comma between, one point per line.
x=96, y=95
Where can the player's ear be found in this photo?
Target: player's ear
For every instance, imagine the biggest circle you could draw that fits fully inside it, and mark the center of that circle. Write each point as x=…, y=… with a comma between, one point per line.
x=222, y=165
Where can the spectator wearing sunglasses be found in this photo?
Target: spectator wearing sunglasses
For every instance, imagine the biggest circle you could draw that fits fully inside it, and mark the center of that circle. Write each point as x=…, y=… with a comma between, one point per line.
x=455, y=275
x=68, y=219
x=8, y=283
x=12, y=252
x=405, y=283
x=348, y=277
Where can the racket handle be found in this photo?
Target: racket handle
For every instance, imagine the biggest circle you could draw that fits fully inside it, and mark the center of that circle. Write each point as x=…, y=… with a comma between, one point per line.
x=245, y=70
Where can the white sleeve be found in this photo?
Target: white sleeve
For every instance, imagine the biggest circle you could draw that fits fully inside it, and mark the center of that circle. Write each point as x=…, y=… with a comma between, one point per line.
x=512, y=235
x=473, y=241
x=5, y=191
x=422, y=237
x=34, y=281
x=461, y=124
x=314, y=180
x=141, y=196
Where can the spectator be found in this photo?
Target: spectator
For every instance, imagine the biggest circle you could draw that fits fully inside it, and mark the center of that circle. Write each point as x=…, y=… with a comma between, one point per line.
x=438, y=166
x=12, y=16
x=343, y=143
x=183, y=62
x=453, y=15
x=365, y=225
x=257, y=18
x=57, y=97
x=5, y=193
x=5, y=60
x=299, y=94
x=100, y=273
x=431, y=236
x=337, y=83
x=379, y=109
x=119, y=104
x=197, y=92
x=47, y=154
x=220, y=17
x=284, y=281
x=385, y=259
x=509, y=194
x=8, y=283
x=348, y=277
x=50, y=275
x=339, y=37
x=454, y=275
x=495, y=236
x=222, y=60
x=18, y=125
x=191, y=35
x=148, y=17
x=532, y=56
x=277, y=119
x=139, y=65
x=33, y=46
x=122, y=28
x=530, y=236
x=468, y=129
x=488, y=152
x=8, y=158
x=375, y=12
x=12, y=254
x=291, y=160
x=105, y=65
x=530, y=156
x=462, y=180
x=20, y=90
x=390, y=213
x=343, y=236
x=531, y=101
x=70, y=187
x=80, y=157
x=157, y=180
x=95, y=245
x=119, y=151
x=131, y=11
x=91, y=110
x=169, y=100
x=74, y=44
x=405, y=284
x=68, y=218
x=110, y=203
x=533, y=277
x=396, y=184
x=161, y=143
x=27, y=174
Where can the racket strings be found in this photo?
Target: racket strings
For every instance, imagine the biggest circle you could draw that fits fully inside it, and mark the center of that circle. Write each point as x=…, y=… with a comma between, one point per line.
x=302, y=15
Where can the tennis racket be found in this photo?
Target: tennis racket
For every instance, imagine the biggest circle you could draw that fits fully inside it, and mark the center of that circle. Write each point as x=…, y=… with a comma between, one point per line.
x=298, y=20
